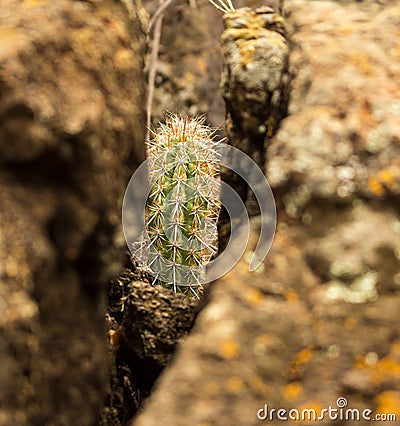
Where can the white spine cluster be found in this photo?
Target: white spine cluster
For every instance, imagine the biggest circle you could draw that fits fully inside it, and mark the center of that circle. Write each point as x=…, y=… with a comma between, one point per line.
x=183, y=205
x=223, y=6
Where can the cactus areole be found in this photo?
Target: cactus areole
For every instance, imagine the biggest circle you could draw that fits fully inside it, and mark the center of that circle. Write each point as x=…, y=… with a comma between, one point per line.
x=183, y=205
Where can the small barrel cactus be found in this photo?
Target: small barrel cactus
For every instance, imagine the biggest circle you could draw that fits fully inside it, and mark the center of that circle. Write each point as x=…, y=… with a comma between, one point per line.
x=183, y=204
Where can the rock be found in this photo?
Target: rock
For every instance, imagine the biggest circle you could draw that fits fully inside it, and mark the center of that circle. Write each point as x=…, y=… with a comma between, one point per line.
x=254, y=84
x=71, y=135
x=155, y=319
x=145, y=324
x=340, y=140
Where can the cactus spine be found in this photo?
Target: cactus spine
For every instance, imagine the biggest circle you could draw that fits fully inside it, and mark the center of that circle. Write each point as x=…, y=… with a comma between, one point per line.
x=183, y=205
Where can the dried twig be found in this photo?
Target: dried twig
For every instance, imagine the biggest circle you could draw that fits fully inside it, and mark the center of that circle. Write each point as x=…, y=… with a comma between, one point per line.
x=156, y=20
x=222, y=6
x=156, y=23
x=163, y=5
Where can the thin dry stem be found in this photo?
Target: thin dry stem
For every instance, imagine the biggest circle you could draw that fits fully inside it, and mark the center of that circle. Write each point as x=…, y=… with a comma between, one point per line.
x=160, y=10
x=222, y=6
x=153, y=68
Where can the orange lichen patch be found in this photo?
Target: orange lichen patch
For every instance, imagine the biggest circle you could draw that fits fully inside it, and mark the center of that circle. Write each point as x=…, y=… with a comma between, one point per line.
x=309, y=411
x=251, y=26
x=375, y=187
x=385, y=179
x=229, y=349
x=385, y=370
x=304, y=356
x=189, y=77
x=32, y=3
x=11, y=268
x=202, y=64
x=362, y=62
x=300, y=361
x=346, y=30
x=389, y=178
x=114, y=336
x=293, y=391
x=234, y=384
x=254, y=297
x=259, y=386
x=388, y=402
x=247, y=52
x=248, y=49
x=360, y=361
x=11, y=39
x=395, y=350
x=123, y=59
x=291, y=296
x=350, y=323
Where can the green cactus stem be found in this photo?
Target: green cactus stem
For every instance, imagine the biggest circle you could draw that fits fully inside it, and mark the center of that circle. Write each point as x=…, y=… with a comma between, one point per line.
x=183, y=205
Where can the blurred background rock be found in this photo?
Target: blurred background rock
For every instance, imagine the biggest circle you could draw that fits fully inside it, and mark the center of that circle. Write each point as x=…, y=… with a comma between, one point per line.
x=71, y=133
x=317, y=321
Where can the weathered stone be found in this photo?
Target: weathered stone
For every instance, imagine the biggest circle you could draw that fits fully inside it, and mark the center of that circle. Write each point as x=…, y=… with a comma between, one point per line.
x=341, y=139
x=145, y=324
x=254, y=84
x=71, y=134
x=155, y=319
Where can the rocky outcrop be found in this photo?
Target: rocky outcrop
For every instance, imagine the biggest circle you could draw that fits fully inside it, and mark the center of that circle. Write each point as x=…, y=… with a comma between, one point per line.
x=145, y=324
x=318, y=321
x=71, y=134
x=254, y=79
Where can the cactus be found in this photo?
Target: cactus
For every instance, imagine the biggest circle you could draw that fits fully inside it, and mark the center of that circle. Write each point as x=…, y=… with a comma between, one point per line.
x=223, y=5
x=183, y=204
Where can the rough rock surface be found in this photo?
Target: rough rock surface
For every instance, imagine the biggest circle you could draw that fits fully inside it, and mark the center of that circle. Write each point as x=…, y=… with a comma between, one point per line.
x=158, y=320
x=255, y=86
x=343, y=130
x=319, y=319
x=70, y=136
x=145, y=325
x=254, y=79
